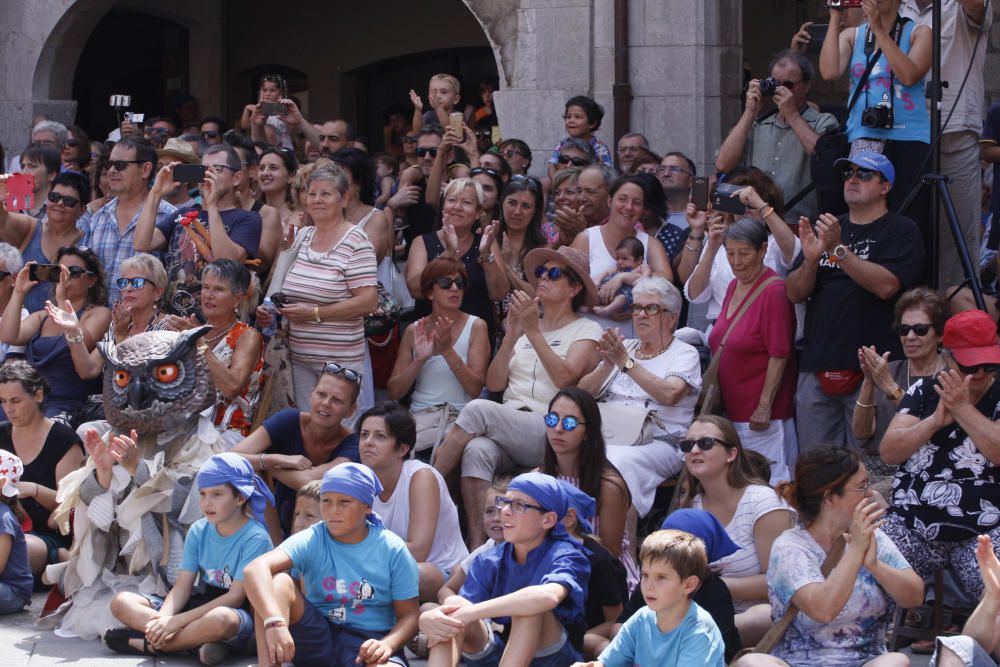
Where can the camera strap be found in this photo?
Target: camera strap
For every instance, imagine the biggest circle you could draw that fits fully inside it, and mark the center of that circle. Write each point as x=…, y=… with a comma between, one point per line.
x=872, y=58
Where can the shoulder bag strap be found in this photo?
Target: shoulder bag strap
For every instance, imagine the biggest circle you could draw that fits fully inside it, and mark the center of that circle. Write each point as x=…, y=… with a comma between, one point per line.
x=744, y=308
x=777, y=631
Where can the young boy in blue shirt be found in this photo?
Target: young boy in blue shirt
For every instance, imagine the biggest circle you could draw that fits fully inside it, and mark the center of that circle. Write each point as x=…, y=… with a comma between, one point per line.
x=16, y=581
x=216, y=550
x=671, y=629
x=531, y=584
x=361, y=584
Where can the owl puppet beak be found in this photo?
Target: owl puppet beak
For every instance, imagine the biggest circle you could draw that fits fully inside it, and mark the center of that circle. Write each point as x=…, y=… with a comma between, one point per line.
x=140, y=393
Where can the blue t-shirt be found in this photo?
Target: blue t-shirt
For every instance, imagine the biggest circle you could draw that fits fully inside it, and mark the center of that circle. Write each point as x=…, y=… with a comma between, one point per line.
x=285, y=430
x=17, y=573
x=218, y=560
x=354, y=584
x=696, y=641
x=243, y=228
x=495, y=572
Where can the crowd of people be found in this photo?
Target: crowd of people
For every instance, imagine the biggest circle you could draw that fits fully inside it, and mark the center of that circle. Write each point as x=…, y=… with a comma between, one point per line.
x=455, y=395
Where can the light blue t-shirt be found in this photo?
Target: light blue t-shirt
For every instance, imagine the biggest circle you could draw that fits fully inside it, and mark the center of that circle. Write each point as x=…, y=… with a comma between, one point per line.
x=218, y=560
x=696, y=641
x=17, y=573
x=354, y=584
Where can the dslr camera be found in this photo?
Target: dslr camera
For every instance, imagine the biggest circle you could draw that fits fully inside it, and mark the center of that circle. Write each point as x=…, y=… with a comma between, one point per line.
x=879, y=117
x=769, y=86
x=726, y=199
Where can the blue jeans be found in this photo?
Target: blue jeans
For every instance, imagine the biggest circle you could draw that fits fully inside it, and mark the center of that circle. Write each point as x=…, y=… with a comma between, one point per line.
x=10, y=601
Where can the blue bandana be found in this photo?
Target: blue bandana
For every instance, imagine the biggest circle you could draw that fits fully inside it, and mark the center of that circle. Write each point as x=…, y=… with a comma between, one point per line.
x=585, y=506
x=354, y=480
x=229, y=468
x=548, y=492
x=705, y=526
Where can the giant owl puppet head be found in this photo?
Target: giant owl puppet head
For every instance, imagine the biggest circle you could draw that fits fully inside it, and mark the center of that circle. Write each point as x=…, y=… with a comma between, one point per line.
x=156, y=381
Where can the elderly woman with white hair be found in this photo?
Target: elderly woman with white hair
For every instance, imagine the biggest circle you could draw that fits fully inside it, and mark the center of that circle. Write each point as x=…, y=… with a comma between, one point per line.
x=656, y=371
x=755, y=334
x=329, y=287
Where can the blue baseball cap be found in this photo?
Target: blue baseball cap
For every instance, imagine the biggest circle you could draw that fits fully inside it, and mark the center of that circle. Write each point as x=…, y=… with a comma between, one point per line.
x=871, y=160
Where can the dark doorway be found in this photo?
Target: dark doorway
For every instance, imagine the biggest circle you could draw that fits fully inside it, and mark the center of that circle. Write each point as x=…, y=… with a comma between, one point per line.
x=135, y=54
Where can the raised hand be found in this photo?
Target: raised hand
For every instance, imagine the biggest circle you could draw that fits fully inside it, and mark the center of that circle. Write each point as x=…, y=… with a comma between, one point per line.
x=415, y=100
x=125, y=451
x=876, y=366
x=423, y=340
x=450, y=238
x=801, y=39
x=98, y=450
x=812, y=246
x=612, y=348
x=489, y=236
x=65, y=318
x=953, y=389
x=866, y=519
x=523, y=310
x=442, y=337
x=829, y=231
x=23, y=282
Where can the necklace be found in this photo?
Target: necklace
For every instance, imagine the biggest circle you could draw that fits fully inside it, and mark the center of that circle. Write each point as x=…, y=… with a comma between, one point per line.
x=214, y=339
x=647, y=357
x=937, y=367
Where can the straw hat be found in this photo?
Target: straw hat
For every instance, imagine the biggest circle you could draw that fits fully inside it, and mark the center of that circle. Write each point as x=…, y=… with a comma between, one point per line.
x=572, y=259
x=179, y=149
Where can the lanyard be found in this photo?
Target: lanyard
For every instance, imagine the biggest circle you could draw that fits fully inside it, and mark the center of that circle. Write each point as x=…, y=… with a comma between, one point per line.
x=897, y=35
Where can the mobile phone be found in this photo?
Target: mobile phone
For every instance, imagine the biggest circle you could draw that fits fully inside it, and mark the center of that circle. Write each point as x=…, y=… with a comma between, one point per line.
x=280, y=300
x=20, y=192
x=726, y=199
x=699, y=192
x=189, y=173
x=135, y=118
x=273, y=108
x=45, y=273
x=817, y=34
x=455, y=119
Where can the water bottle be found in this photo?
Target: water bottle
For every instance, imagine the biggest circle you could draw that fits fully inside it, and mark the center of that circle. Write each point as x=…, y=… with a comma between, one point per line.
x=272, y=328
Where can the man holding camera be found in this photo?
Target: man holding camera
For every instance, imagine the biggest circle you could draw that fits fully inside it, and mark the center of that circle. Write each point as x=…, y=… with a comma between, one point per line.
x=781, y=141
x=849, y=273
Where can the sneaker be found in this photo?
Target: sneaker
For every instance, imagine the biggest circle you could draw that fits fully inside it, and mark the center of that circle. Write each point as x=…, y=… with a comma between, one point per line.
x=212, y=653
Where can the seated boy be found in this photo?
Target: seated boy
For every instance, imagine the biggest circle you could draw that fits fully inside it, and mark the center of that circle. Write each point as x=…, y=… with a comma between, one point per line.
x=361, y=583
x=672, y=629
x=532, y=584
x=629, y=255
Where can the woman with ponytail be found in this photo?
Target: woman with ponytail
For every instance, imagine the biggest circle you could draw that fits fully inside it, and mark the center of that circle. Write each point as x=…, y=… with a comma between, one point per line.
x=842, y=616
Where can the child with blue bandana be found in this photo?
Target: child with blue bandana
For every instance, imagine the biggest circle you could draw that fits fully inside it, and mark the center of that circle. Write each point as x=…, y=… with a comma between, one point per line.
x=217, y=548
x=360, y=583
x=531, y=584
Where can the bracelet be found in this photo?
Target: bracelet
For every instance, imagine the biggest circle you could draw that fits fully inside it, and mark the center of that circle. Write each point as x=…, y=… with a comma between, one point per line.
x=898, y=394
x=78, y=338
x=34, y=493
x=274, y=621
x=316, y=317
x=691, y=249
x=260, y=461
x=761, y=209
x=864, y=405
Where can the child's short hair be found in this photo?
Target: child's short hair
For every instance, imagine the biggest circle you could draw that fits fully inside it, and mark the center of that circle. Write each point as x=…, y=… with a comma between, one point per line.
x=682, y=551
x=388, y=160
x=632, y=245
x=594, y=111
x=500, y=483
x=452, y=81
x=310, y=490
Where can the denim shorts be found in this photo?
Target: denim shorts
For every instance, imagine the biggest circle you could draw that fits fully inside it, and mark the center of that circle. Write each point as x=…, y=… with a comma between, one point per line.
x=559, y=654
x=240, y=641
x=11, y=601
x=320, y=643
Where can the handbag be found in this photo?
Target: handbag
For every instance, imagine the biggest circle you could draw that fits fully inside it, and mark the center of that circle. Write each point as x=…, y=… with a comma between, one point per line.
x=777, y=630
x=627, y=425
x=710, y=400
x=432, y=423
x=385, y=316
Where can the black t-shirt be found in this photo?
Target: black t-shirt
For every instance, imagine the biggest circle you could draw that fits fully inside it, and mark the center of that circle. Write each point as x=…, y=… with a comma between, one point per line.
x=714, y=597
x=607, y=586
x=841, y=316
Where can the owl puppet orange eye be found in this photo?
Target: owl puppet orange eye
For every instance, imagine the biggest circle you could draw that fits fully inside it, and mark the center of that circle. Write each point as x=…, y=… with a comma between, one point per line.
x=121, y=379
x=166, y=373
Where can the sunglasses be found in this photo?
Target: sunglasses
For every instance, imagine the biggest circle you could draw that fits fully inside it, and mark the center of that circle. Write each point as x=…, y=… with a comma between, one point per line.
x=511, y=153
x=427, y=151
x=989, y=369
x=55, y=198
x=530, y=181
x=553, y=273
x=4, y=274
x=484, y=170
x=122, y=165
x=575, y=161
x=568, y=423
x=704, y=444
x=863, y=174
x=409, y=140
x=77, y=271
x=135, y=283
x=650, y=309
x=447, y=281
x=209, y=134
x=516, y=506
x=333, y=368
x=905, y=329
x=72, y=143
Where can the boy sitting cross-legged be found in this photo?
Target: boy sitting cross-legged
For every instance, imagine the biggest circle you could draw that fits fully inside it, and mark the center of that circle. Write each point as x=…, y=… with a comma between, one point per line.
x=531, y=584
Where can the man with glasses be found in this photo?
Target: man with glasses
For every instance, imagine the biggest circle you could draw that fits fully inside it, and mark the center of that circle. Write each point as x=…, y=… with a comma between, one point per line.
x=781, y=141
x=849, y=274
x=211, y=130
x=675, y=173
x=409, y=201
x=110, y=231
x=628, y=150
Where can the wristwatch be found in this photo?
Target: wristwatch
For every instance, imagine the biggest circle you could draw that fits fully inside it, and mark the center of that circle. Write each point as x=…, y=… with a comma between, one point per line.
x=316, y=318
x=629, y=365
x=839, y=254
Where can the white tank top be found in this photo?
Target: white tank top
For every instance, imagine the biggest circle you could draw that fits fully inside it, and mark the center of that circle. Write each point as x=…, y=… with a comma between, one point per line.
x=602, y=262
x=448, y=547
x=436, y=383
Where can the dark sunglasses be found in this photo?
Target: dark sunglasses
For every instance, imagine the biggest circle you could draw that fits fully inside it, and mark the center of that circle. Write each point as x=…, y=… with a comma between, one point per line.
x=568, y=423
x=863, y=174
x=905, y=329
x=55, y=198
x=650, y=309
x=972, y=370
x=484, y=170
x=122, y=165
x=77, y=271
x=409, y=140
x=157, y=130
x=447, y=281
x=704, y=444
x=427, y=151
x=512, y=153
x=4, y=274
x=209, y=134
x=575, y=161
x=552, y=273
x=136, y=283
x=72, y=143
x=333, y=368
x=530, y=181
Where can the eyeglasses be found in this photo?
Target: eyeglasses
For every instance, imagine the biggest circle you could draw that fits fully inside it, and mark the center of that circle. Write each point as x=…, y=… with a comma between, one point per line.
x=483, y=134
x=221, y=168
x=863, y=174
x=628, y=149
x=671, y=169
x=157, y=130
x=568, y=423
x=209, y=134
x=516, y=506
x=484, y=170
x=55, y=198
x=77, y=271
x=333, y=368
x=905, y=329
x=864, y=487
x=510, y=153
x=704, y=444
x=122, y=165
x=447, y=281
x=575, y=161
x=553, y=273
x=531, y=181
x=427, y=151
x=136, y=283
x=650, y=309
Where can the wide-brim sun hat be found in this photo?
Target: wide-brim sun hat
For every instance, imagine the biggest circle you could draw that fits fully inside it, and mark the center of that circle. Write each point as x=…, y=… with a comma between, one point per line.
x=572, y=259
x=178, y=149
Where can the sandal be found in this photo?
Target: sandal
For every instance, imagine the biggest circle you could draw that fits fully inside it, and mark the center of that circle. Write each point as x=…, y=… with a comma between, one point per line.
x=418, y=645
x=117, y=639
